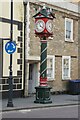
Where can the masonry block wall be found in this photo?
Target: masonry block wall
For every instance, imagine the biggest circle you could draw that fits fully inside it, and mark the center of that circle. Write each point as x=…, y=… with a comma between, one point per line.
x=34, y=41
x=79, y=49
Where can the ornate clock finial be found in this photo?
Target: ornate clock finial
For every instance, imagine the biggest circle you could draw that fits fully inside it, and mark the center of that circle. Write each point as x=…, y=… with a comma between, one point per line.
x=44, y=6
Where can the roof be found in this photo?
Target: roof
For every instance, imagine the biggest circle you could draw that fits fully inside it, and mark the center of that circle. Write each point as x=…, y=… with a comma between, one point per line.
x=45, y=13
x=63, y=4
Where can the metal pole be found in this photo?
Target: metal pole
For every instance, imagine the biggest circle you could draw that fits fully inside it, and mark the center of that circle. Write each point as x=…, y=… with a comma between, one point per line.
x=43, y=63
x=43, y=90
x=10, y=103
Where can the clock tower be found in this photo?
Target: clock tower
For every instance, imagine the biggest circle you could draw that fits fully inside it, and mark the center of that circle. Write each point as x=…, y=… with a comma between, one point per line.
x=43, y=29
x=44, y=23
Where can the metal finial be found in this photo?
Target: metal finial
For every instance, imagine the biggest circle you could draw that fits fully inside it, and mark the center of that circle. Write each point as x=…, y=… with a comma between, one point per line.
x=50, y=10
x=39, y=8
x=44, y=6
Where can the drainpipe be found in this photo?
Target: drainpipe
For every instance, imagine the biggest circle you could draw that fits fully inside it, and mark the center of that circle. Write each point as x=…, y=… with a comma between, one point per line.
x=26, y=46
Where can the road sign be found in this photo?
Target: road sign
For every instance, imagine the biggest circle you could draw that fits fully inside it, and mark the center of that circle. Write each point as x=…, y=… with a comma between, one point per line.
x=10, y=47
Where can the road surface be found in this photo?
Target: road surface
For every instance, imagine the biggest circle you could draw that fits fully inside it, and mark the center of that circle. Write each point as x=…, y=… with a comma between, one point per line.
x=50, y=112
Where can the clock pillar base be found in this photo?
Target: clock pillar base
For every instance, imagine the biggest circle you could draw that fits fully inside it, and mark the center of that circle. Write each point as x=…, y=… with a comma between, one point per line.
x=43, y=94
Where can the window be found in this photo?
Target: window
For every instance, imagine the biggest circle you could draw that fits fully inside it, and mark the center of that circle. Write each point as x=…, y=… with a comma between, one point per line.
x=66, y=61
x=30, y=71
x=68, y=30
x=50, y=67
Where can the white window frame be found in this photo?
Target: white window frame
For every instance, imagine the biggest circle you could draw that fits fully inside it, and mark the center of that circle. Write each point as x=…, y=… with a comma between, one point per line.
x=67, y=39
x=69, y=75
x=53, y=67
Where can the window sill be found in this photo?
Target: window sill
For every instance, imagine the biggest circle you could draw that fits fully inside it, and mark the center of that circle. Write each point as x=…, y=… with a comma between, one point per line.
x=69, y=40
x=66, y=79
x=50, y=79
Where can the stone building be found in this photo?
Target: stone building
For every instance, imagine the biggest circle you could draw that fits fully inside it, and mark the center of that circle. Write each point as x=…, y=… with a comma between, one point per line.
x=62, y=50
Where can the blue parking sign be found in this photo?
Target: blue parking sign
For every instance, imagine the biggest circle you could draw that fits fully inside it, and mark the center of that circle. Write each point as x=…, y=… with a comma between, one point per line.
x=10, y=47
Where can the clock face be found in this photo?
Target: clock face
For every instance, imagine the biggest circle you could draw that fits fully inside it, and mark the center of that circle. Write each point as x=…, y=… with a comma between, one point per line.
x=49, y=26
x=40, y=26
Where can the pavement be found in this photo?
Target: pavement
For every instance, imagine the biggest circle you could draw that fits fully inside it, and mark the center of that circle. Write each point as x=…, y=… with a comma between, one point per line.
x=28, y=102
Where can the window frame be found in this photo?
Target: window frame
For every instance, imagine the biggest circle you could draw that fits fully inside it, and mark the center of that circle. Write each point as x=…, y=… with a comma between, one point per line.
x=69, y=39
x=53, y=67
x=69, y=75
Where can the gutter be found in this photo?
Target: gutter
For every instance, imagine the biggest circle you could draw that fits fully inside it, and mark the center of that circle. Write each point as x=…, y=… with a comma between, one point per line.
x=26, y=44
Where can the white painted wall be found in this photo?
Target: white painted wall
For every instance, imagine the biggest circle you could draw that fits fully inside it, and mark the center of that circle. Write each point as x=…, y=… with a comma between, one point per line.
x=5, y=33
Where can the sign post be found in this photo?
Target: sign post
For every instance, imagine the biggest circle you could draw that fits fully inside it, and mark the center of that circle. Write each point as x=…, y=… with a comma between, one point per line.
x=10, y=48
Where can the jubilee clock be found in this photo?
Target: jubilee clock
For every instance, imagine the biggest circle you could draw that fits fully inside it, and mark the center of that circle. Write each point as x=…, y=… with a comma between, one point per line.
x=40, y=26
x=43, y=29
x=43, y=23
x=49, y=26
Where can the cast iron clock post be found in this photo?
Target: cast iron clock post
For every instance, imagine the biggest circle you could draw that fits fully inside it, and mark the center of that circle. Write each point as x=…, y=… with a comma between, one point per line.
x=43, y=29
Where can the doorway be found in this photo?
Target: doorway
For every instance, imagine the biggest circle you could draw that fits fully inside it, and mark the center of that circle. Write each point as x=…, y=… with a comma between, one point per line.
x=33, y=78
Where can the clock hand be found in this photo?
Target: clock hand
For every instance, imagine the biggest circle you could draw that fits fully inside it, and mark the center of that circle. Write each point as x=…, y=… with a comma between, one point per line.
x=41, y=25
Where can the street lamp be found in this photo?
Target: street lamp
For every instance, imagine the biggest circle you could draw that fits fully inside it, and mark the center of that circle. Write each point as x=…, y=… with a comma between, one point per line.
x=43, y=29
